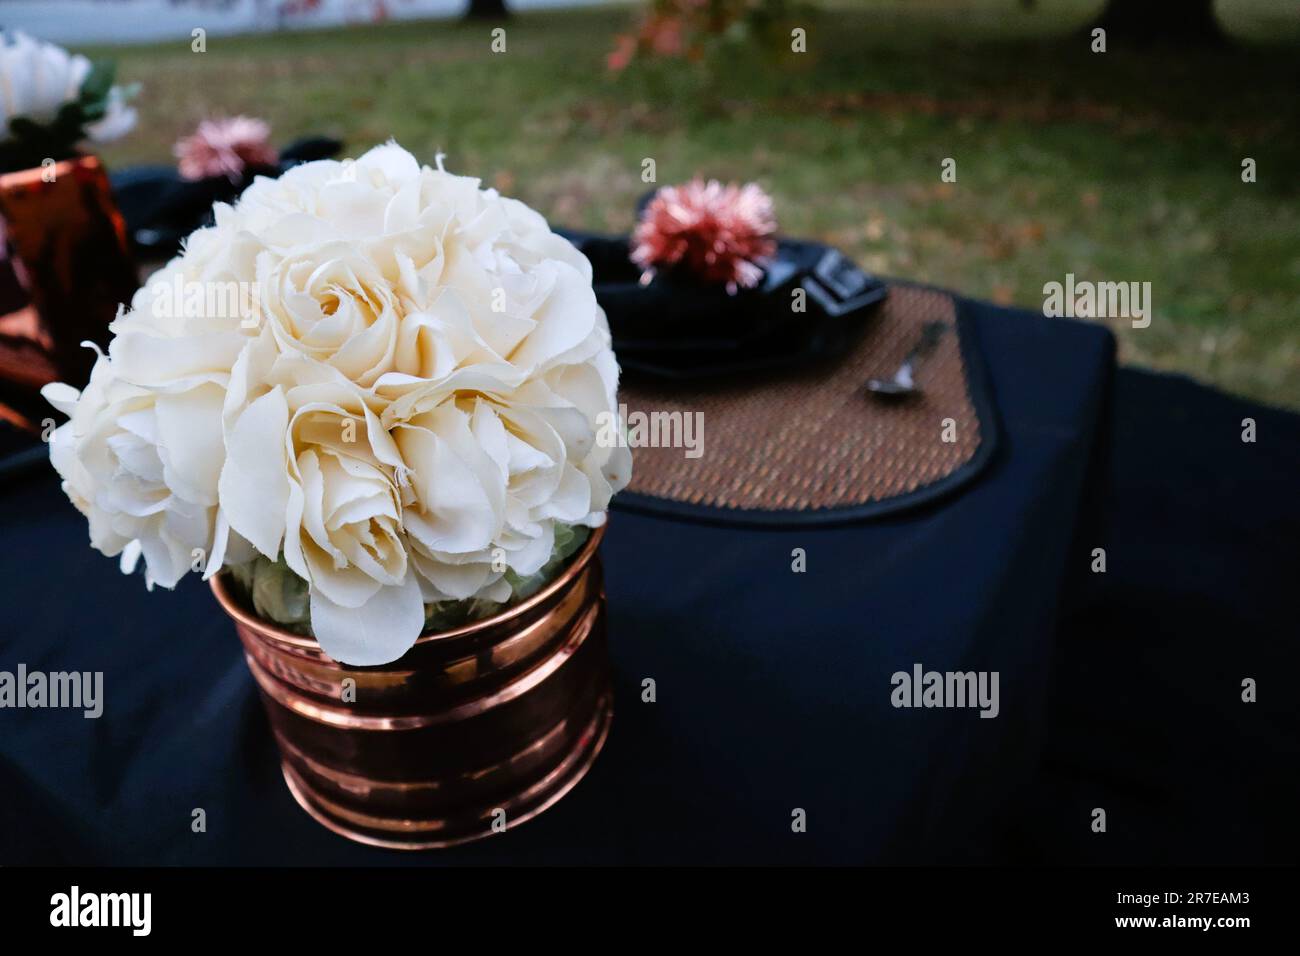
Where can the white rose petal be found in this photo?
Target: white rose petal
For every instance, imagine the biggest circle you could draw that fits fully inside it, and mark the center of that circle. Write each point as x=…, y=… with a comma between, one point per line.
x=254, y=484
x=142, y=466
x=377, y=632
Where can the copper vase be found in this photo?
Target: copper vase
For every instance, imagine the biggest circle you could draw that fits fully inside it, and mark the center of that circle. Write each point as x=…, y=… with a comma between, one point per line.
x=472, y=731
x=65, y=267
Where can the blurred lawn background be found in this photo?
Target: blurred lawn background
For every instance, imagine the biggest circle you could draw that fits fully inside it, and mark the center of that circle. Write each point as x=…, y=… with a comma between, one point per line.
x=1117, y=166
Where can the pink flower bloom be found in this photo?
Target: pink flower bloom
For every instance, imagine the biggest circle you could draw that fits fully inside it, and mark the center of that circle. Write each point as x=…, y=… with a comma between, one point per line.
x=664, y=35
x=618, y=58
x=717, y=233
x=225, y=147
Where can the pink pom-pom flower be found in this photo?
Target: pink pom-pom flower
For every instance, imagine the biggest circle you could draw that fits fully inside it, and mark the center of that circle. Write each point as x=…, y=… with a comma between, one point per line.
x=225, y=147
x=717, y=233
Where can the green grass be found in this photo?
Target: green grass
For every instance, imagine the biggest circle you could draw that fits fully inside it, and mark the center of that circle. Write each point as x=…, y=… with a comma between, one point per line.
x=1120, y=166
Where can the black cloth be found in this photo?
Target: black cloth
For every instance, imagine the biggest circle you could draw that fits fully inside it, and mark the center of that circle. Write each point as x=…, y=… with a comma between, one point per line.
x=161, y=208
x=1147, y=721
x=773, y=687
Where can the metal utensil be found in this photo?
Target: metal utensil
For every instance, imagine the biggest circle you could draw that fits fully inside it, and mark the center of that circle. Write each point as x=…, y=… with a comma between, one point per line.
x=903, y=383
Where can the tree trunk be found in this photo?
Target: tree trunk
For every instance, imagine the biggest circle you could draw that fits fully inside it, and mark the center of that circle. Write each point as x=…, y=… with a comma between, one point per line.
x=1144, y=23
x=486, y=10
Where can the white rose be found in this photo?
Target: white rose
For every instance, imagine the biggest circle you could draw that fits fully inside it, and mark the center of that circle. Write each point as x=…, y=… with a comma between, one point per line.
x=333, y=304
x=142, y=465
x=312, y=472
x=199, y=310
x=509, y=462
x=36, y=78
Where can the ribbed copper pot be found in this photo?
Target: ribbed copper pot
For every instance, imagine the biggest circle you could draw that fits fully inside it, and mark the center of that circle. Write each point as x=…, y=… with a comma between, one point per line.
x=472, y=730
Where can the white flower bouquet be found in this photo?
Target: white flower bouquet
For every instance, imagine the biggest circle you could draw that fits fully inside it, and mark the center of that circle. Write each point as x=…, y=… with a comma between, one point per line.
x=52, y=100
x=372, y=391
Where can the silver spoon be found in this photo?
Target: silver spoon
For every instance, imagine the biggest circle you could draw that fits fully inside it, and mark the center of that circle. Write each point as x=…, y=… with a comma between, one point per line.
x=902, y=384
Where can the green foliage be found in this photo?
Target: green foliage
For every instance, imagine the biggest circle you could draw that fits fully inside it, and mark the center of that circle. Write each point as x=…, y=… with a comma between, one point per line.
x=1123, y=167
x=275, y=592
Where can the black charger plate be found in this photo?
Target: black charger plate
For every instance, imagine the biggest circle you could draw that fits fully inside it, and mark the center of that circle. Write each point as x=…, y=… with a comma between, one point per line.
x=677, y=328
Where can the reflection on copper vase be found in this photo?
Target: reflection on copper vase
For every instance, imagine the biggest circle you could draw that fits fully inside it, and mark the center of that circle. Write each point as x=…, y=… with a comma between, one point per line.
x=471, y=730
x=64, y=269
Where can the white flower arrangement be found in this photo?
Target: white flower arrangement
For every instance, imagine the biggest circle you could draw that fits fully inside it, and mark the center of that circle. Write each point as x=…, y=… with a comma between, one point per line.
x=397, y=400
x=52, y=100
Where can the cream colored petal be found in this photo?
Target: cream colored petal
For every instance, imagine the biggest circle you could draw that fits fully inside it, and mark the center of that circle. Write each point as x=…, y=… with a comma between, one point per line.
x=254, y=483
x=458, y=510
x=453, y=581
x=564, y=321
x=572, y=499
x=190, y=442
x=378, y=632
x=61, y=396
x=148, y=360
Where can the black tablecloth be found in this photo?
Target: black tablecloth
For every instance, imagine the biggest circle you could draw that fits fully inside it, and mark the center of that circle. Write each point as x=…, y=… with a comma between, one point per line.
x=1202, y=534
x=773, y=687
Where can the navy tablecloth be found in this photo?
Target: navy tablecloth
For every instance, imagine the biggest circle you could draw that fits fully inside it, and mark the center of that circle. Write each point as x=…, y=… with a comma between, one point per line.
x=773, y=687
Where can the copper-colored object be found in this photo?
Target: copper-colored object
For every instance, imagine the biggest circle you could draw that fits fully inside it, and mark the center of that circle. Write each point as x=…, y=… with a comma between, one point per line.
x=473, y=730
x=67, y=270
x=811, y=439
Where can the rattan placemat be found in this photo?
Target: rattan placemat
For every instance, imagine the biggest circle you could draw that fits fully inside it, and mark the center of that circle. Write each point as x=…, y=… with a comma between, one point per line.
x=813, y=443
